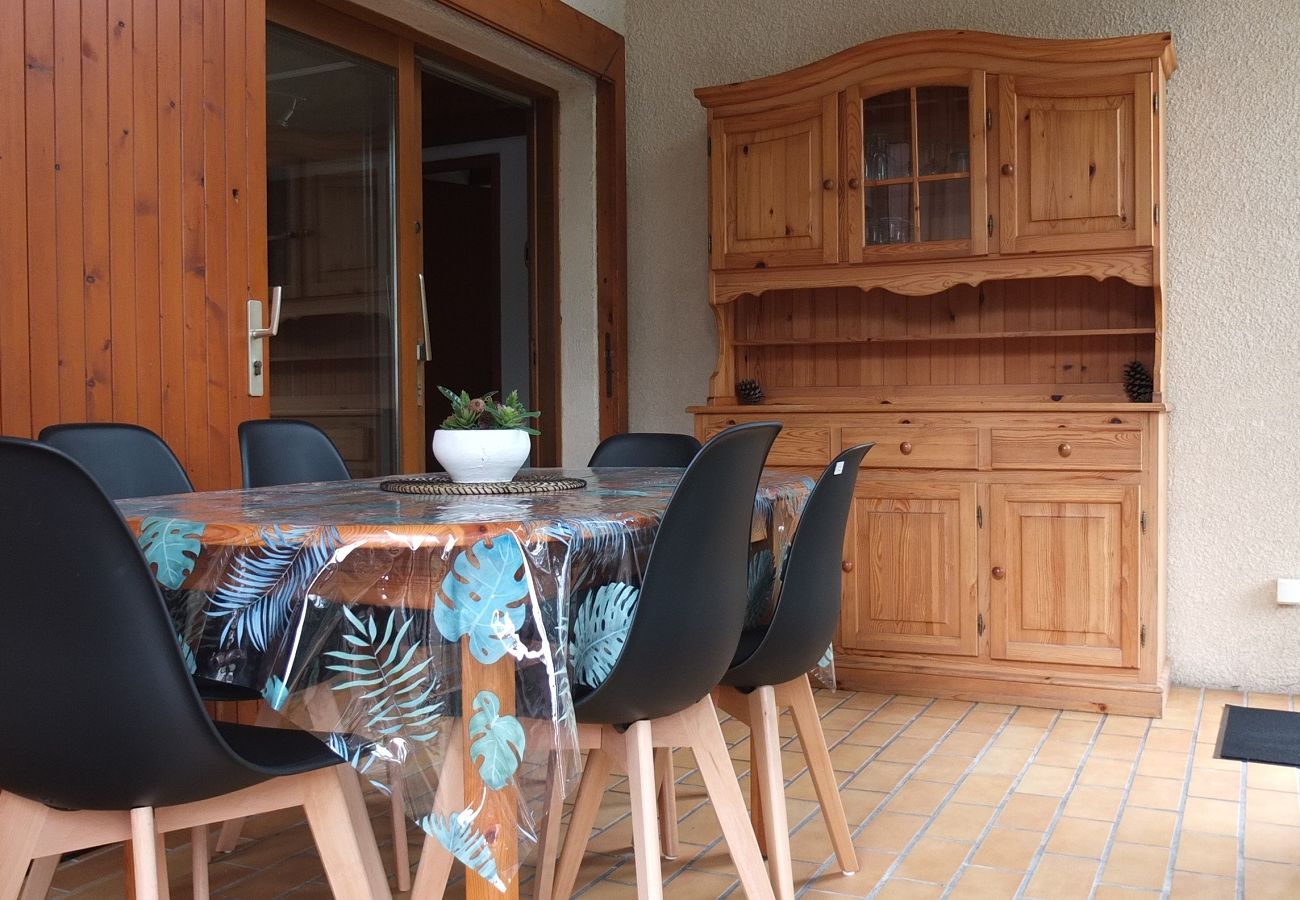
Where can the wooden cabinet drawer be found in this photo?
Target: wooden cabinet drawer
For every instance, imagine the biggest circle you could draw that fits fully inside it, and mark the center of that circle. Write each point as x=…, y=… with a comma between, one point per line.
x=1108, y=449
x=796, y=445
x=916, y=446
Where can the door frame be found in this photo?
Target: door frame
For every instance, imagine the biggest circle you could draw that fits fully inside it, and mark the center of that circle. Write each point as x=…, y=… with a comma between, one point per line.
x=364, y=33
x=579, y=41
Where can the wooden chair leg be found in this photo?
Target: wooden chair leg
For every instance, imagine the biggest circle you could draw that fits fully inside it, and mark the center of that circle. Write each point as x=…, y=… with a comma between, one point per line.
x=765, y=771
x=397, y=808
x=432, y=874
x=228, y=838
x=808, y=725
x=39, y=878
x=667, y=777
x=341, y=828
x=199, y=861
x=144, y=854
x=756, y=800
x=728, y=804
x=595, y=774
x=548, y=837
x=21, y=822
x=645, y=816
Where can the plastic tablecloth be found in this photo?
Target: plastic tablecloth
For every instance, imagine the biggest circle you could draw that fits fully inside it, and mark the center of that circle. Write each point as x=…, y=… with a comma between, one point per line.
x=416, y=633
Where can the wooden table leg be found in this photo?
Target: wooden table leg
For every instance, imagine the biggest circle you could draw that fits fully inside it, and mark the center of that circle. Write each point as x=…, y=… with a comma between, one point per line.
x=498, y=807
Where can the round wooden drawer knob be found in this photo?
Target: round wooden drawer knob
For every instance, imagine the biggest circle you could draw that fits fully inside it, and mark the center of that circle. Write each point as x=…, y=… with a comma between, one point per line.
x=905, y=448
x=847, y=565
x=829, y=184
x=999, y=572
x=1008, y=169
x=1065, y=449
x=853, y=184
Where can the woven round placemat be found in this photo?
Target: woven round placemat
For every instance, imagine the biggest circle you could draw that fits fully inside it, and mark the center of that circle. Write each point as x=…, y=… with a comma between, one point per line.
x=441, y=483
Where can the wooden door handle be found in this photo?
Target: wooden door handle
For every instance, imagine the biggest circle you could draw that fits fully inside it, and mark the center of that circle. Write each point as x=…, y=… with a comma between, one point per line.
x=853, y=184
x=1008, y=169
x=999, y=572
x=847, y=565
x=905, y=448
x=1065, y=449
x=829, y=184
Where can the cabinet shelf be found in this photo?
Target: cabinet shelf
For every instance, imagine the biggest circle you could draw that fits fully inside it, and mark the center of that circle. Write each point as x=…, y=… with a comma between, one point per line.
x=958, y=336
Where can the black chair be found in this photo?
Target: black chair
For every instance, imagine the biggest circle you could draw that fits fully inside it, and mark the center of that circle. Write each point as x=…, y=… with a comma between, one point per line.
x=288, y=451
x=103, y=737
x=769, y=671
x=125, y=460
x=681, y=639
x=645, y=448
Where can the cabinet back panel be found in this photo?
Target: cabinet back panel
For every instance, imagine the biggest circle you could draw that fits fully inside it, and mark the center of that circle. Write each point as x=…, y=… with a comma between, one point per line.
x=846, y=338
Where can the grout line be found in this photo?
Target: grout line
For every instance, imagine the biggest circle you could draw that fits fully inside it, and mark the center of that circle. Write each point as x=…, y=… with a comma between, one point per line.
x=1125, y=792
x=1182, y=800
x=1050, y=829
x=997, y=810
x=1241, y=825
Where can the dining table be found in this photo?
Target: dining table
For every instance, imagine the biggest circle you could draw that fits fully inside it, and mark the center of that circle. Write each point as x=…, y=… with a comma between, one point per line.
x=420, y=633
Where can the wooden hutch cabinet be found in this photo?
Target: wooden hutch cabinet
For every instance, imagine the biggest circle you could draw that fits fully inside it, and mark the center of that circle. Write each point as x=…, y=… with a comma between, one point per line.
x=951, y=244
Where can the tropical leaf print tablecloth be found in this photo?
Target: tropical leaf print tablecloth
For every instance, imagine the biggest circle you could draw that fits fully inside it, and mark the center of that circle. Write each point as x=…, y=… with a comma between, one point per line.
x=416, y=633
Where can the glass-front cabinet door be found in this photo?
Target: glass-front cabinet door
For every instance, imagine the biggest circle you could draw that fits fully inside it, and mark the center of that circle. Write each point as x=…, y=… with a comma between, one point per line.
x=916, y=167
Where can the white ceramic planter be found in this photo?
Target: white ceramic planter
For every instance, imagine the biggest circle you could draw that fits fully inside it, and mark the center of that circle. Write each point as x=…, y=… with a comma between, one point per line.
x=481, y=454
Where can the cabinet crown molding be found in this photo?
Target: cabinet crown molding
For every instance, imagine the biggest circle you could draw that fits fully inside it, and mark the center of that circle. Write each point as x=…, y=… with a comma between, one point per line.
x=969, y=49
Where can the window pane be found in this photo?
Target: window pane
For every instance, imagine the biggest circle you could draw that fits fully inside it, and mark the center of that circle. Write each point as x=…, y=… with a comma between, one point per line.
x=945, y=210
x=889, y=214
x=942, y=129
x=887, y=135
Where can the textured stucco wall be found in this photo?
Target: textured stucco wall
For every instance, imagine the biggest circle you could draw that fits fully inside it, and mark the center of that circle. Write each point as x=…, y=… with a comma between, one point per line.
x=1233, y=335
x=609, y=13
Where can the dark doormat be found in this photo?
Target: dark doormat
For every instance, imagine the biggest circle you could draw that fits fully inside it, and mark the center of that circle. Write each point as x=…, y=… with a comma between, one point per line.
x=1259, y=735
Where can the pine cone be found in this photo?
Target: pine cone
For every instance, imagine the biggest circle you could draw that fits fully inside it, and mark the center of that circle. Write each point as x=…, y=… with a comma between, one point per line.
x=748, y=392
x=1137, y=382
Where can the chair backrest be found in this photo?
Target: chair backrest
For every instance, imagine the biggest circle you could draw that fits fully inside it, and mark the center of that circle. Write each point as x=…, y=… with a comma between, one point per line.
x=645, y=448
x=126, y=460
x=288, y=451
x=808, y=607
x=98, y=710
x=691, y=609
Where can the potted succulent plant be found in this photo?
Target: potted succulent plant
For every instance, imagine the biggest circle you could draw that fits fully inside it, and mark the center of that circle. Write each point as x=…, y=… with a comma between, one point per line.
x=483, y=439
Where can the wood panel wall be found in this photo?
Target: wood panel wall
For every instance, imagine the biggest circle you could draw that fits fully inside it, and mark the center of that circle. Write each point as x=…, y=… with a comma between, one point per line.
x=132, y=218
x=837, y=340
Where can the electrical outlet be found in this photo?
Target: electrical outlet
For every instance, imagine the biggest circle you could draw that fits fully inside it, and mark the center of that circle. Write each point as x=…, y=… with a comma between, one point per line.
x=1288, y=592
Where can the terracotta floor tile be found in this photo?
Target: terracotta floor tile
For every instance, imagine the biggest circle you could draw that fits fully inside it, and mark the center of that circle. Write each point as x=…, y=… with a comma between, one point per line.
x=919, y=797
x=1110, y=892
x=1136, y=865
x=1017, y=735
x=1271, y=881
x=1203, y=887
x=1276, y=807
x=986, y=789
x=1117, y=746
x=1030, y=715
x=1003, y=760
x=906, y=750
x=982, y=722
x=1090, y=802
x=1103, y=772
x=1176, y=740
x=880, y=775
x=1052, y=781
x=1079, y=837
x=964, y=743
x=961, y=821
x=1268, y=701
x=1209, y=854
x=1061, y=753
x=949, y=709
x=1147, y=826
x=889, y=832
x=1074, y=730
x=873, y=734
x=897, y=889
x=933, y=859
x=872, y=865
x=1028, y=811
x=981, y=883
x=1212, y=816
x=1130, y=725
x=1062, y=878
x=1005, y=848
x=1155, y=793
x=865, y=700
x=860, y=804
x=928, y=728
x=1272, y=778
x=947, y=769
x=1162, y=763
x=1273, y=843
x=1215, y=785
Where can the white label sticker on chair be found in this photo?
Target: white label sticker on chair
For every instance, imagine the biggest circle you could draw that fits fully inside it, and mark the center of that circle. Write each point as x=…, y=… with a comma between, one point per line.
x=839, y=467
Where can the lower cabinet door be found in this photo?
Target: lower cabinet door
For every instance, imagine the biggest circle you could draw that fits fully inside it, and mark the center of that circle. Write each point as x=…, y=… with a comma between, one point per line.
x=1063, y=580
x=910, y=570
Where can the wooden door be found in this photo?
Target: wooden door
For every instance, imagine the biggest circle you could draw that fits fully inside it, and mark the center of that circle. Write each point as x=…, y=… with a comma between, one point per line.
x=133, y=224
x=1064, y=574
x=776, y=187
x=915, y=163
x=1075, y=163
x=909, y=562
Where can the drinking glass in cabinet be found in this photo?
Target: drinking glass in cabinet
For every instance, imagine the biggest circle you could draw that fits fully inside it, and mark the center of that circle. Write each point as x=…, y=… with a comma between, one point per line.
x=943, y=129
x=887, y=133
x=889, y=213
